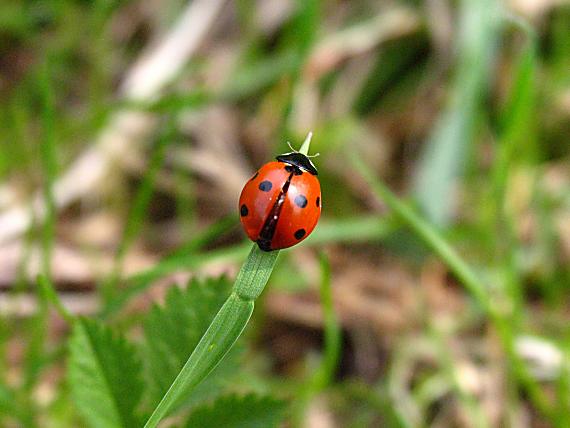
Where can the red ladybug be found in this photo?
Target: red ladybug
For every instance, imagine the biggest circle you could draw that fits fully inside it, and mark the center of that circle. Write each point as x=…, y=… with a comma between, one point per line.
x=281, y=204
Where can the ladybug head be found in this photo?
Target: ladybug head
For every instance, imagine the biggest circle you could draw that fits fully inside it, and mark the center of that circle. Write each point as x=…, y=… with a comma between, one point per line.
x=298, y=160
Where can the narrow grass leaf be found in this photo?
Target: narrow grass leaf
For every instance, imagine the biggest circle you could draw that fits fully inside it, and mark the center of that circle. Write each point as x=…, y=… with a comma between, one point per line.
x=254, y=273
x=250, y=78
x=250, y=411
x=50, y=293
x=464, y=273
x=223, y=332
x=49, y=166
x=517, y=119
x=516, y=146
x=393, y=63
x=138, y=212
x=33, y=360
x=301, y=31
x=104, y=377
x=428, y=234
x=333, y=333
x=445, y=154
x=226, y=327
x=325, y=372
x=140, y=282
x=173, y=330
x=351, y=229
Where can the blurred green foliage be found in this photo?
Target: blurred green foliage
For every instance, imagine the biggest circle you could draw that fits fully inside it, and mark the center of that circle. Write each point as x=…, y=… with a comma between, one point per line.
x=461, y=107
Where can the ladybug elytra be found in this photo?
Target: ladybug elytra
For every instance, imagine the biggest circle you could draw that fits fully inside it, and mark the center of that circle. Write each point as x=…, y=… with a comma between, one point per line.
x=281, y=204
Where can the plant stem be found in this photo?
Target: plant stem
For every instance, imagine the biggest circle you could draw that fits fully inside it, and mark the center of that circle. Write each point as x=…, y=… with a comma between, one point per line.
x=429, y=235
x=323, y=375
x=465, y=274
x=223, y=332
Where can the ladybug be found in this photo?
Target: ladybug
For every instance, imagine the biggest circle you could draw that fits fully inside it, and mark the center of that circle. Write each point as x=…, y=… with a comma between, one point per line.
x=281, y=204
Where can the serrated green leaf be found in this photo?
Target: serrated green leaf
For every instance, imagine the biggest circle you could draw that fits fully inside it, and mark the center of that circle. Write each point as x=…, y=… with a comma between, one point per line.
x=104, y=376
x=173, y=330
x=233, y=411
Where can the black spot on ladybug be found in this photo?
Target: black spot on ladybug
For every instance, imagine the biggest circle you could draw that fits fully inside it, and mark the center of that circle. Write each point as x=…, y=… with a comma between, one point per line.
x=265, y=186
x=318, y=201
x=301, y=201
x=254, y=176
x=243, y=211
x=300, y=233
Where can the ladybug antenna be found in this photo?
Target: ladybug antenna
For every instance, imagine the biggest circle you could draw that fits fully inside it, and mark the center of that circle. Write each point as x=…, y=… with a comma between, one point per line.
x=291, y=147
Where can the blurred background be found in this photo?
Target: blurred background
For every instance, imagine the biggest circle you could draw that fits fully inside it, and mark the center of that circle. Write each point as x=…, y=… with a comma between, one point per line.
x=128, y=129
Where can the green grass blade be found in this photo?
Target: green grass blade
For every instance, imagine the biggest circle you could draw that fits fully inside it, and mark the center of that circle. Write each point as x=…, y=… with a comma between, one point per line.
x=140, y=282
x=465, y=274
x=226, y=327
x=50, y=293
x=325, y=372
x=333, y=334
x=252, y=78
x=137, y=213
x=49, y=165
x=224, y=330
x=203, y=238
x=254, y=273
x=351, y=229
x=516, y=147
x=517, y=120
x=171, y=332
x=428, y=234
x=34, y=360
x=232, y=411
x=447, y=149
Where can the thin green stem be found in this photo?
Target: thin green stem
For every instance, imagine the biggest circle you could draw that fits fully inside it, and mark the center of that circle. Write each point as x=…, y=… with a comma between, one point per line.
x=428, y=234
x=325, y=372
x=465, y=275
x=34, y=361
x=48, y=290
x=223, y=332
x=137, y=213
x=333, y=334
x=254, y=273
x=49, y=166
x=351, y=229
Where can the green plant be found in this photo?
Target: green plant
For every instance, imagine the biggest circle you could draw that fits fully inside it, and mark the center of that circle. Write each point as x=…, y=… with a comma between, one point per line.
x=226, y=327
x=452, y=303
x=222, y=333
x=106, y=368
